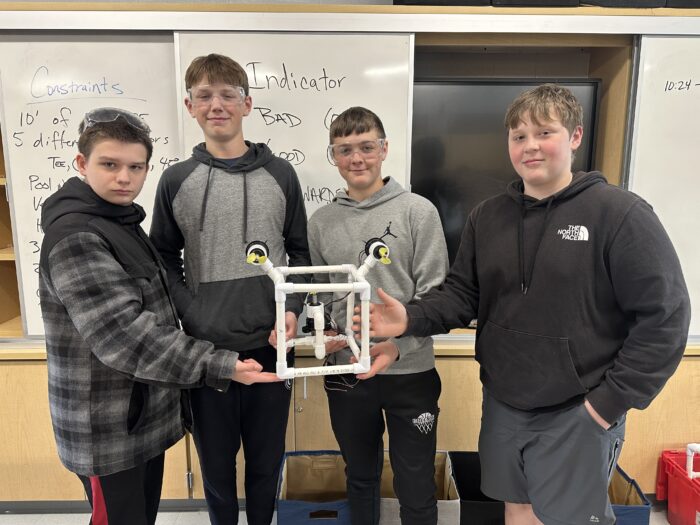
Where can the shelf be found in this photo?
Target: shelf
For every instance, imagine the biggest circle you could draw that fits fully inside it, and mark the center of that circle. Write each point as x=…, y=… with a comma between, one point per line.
x=7, y=254
x=11, y=328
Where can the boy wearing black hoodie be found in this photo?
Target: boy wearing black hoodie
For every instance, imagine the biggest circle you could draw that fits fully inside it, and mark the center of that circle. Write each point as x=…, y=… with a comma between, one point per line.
x=582, y=312
x=231, y=192
x=115, y=354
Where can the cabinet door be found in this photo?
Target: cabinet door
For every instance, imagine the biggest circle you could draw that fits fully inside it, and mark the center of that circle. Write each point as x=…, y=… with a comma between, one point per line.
x=29, y=461
x=670, y=422
x=312, y=422
x=175, y=473
x=460, y=403
x=29, y=457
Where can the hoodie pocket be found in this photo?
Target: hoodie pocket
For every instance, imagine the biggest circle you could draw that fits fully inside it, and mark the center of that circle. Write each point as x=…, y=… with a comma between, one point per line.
x=527, y=371
x=138, y=407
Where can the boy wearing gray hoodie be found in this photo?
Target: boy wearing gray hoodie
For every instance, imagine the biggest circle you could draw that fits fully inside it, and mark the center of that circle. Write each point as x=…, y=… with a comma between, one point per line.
x=406, y=392
x=207, y=209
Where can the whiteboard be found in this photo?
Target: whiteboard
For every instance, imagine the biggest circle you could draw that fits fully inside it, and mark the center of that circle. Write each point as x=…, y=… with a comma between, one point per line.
x=299, y=82
x=664, y=167
x=48, y=84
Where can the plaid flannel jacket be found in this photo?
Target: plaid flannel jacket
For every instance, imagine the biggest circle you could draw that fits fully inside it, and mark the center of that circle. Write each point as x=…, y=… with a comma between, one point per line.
x=116, y=358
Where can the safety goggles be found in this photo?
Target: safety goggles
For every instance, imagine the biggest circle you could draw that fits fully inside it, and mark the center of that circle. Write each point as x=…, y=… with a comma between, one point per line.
x=368, y=149
x=104, y=115
x=205, y=94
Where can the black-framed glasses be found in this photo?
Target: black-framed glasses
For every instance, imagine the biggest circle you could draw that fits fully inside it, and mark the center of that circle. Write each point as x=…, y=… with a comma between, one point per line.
x=104, y=115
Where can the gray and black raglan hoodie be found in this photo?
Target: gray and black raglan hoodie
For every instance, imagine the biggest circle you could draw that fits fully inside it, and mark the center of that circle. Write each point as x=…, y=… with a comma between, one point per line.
x=410, y=226
x=212, y=211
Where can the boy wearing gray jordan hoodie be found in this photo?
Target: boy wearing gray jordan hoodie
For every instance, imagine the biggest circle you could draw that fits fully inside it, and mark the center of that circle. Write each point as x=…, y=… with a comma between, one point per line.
x=405, y=391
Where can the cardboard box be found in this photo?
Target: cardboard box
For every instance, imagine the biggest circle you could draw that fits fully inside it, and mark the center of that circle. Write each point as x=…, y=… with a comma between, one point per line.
x=630, y=505
x=311, y=490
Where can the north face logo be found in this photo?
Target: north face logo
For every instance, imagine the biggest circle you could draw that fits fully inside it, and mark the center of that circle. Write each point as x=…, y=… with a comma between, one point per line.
x=574, y=233
x=424, y=422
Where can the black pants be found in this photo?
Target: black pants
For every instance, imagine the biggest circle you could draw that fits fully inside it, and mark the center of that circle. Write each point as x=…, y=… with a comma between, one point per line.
x=256, y=415
x=409, y=403
x=130, y=497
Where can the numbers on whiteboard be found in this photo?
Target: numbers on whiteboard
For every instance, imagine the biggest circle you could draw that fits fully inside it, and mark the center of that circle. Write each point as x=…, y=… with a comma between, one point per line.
x=681, y=85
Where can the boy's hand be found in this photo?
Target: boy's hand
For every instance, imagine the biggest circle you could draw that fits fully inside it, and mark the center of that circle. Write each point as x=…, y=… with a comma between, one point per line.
x=383, y=355
x=595, y=415
x=385, y=320
x=290, y=330
x=250, y=371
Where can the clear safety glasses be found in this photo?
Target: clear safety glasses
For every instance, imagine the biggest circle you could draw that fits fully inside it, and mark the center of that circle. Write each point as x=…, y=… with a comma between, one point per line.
x=368, y=149
x=228, y=95
x=103, y=115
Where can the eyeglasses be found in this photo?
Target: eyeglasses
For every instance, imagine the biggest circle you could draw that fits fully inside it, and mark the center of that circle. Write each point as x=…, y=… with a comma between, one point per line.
x=367, y=149
x=104, y=115
x=228, y=95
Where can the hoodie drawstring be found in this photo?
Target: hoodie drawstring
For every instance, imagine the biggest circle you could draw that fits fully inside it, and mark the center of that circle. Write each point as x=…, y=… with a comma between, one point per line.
x=245, y=207
x=206, y=197
x=526, y=278
x=205, y=200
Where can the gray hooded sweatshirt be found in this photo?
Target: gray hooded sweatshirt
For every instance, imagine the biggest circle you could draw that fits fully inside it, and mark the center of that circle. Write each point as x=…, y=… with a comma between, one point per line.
x=410, y=226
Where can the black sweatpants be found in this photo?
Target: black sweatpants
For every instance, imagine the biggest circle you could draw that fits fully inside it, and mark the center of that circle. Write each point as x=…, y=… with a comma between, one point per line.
x=256, y=415
x=129, y=497
x=410, y=404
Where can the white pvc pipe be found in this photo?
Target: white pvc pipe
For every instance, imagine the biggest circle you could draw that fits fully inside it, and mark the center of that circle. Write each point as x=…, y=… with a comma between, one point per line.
x=317, y=371
x=350, y=303
x=690, y=451
x=356, y=287
x=366, y=266
x=272, y=272
x=316, y=313
x=281, y=330
x=352, y=343
x=339, y=268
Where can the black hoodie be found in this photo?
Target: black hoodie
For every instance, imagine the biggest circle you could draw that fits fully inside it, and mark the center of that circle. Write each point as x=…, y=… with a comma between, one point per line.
x=579, y=294
x=76, y=205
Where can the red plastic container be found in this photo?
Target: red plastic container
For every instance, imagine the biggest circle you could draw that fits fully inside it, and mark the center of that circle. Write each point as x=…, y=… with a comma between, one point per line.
x=683, y=493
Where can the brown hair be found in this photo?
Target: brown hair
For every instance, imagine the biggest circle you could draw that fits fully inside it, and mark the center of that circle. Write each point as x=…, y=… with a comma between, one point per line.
x=543, y=104
x=216, y=68
x=356, y=120
x=118, y=129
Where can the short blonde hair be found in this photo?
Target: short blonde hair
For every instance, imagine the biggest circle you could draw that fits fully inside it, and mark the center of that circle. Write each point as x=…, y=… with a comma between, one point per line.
x=543, y=104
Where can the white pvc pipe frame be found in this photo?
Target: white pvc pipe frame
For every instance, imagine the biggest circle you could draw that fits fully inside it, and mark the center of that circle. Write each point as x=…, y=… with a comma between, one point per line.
x=357, y=284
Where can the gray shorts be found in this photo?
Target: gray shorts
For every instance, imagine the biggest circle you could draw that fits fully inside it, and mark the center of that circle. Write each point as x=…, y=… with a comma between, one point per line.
x=560, y=462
